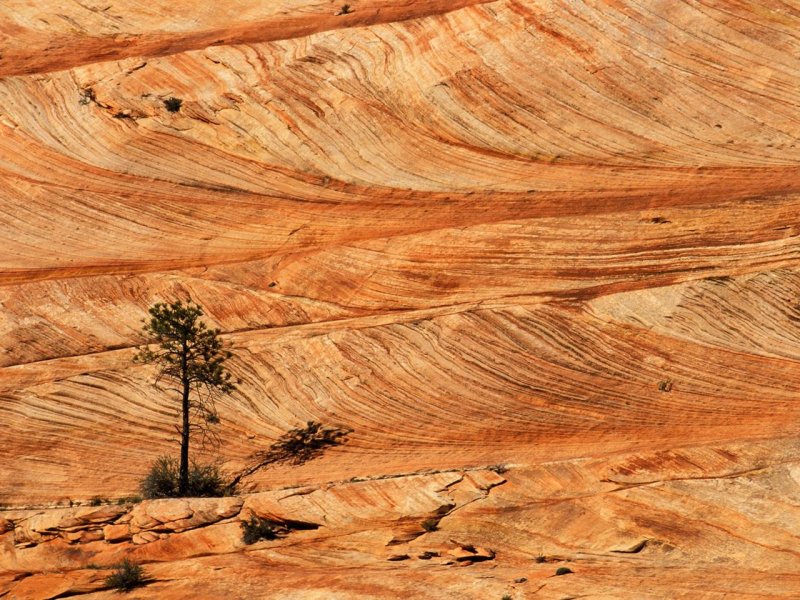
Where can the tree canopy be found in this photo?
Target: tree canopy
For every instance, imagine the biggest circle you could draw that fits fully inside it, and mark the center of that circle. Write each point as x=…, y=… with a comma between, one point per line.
x=191, y=356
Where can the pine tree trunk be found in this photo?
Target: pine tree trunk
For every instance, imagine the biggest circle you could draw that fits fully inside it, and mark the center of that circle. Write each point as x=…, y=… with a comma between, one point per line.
x=183, y=484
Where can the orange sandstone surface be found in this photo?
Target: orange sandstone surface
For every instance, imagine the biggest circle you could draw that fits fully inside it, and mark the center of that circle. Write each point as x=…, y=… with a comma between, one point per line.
x=558, y=237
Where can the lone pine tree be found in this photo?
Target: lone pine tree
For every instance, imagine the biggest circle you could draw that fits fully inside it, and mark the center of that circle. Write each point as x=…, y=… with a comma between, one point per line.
x=190, y=355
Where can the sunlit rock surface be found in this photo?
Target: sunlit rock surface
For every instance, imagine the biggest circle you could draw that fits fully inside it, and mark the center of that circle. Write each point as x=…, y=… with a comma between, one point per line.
x=560, y=237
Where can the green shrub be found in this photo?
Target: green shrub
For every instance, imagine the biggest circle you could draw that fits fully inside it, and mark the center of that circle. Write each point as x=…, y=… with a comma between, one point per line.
x=499, y=469
x=126, y=576
x=87, y=96
x=261, y=529
x=430, y=524
x=205, y=481
x=97, y=501
x=173, y=104
x=563, y=571
x=129, y=500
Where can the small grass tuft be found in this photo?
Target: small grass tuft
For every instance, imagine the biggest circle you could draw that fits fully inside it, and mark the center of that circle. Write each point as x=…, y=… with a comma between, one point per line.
x=129, y=500
x=87, y=96
x=173, y=104
x=256, y=529
x=430, y=524
x=163, y=481
x=126, y=576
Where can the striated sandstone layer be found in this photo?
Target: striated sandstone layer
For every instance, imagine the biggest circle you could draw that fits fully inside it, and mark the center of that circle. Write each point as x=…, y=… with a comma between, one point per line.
x=557, y=236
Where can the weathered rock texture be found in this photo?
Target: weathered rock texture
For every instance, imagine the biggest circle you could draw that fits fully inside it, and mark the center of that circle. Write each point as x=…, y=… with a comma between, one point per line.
x=560, y=236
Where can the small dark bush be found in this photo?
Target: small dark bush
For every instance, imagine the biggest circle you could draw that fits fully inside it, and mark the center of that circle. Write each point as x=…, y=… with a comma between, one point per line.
x=87, y=96
x=129, y=500
x=162, y=480
x=540, y=559
x=430, y=524
x=506, y=597
x=563, y=571
x=205, y=481
x=499, y=469
x=126, y=576
x=173, y=104
x=345, y=10
x=97, y=501
x=261, y=529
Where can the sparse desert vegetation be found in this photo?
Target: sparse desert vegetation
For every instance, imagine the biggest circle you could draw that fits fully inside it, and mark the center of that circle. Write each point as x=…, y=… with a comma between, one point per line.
x=255, y=529
x=173, y=104
x=188, y=354
x=126, y=576
x=430, y=524
x=399, y=299
x=164, y=480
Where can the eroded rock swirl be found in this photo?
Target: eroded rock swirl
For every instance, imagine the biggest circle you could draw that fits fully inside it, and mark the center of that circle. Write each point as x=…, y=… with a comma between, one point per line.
x=557, y=236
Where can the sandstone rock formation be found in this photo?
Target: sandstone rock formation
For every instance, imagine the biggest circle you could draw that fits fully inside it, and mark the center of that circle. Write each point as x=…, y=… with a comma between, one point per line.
x=556, y=236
